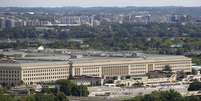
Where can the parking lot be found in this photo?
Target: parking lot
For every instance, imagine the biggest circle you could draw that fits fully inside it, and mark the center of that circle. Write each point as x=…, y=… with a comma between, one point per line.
x=123, y=91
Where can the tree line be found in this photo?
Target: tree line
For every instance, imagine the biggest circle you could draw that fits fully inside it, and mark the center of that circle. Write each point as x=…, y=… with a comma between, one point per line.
x=63, y=88
x=37, y=97
x=170, y=95
x=163, y=38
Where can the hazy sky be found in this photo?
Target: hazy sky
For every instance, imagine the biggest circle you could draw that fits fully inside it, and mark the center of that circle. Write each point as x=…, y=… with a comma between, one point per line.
x=92, y=3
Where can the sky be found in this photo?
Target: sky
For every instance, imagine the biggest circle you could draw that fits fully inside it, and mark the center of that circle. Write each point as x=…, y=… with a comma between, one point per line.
x=95, y=3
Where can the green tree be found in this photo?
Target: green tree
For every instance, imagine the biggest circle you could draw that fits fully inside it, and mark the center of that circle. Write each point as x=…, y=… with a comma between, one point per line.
x=61, y=97
x=70, y=88
x=30, y=98
x=49, y=90
x=6, y=98
x=194, y=86
x=2, y=91
x=137, y=98
x=66, y=86
x=83, y=90
x=170, y=95
x=2, y=55
x=40, y=97
x=194, y=71
x=193, y=98
x=167, y=68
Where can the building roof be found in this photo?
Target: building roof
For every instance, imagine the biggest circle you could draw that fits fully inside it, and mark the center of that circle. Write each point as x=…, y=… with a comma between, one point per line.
x=92, y=60
x=138, y=59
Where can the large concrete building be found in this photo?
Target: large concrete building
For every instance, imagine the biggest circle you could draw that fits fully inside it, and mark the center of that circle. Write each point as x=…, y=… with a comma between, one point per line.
x=111, y=67
x=13, y=72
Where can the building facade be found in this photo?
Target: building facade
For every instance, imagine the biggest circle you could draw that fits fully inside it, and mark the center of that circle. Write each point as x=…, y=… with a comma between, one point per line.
x=49, y=71
x=130, y=66
x=28, y=73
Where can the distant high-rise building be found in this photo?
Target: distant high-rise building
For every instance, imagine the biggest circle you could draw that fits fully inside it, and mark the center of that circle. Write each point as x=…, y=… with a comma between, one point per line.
x=9, y=23
x=20, y=23
x=2, y=23
x=180, y=18
x=70, y=20
x=174, y=18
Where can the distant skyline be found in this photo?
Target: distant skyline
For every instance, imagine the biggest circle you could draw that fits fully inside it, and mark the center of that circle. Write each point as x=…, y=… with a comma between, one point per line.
x=99, y=3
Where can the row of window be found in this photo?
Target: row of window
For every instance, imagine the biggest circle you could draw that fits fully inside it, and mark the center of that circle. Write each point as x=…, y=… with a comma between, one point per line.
x=9, y=75
x=77, y=71
x=9, y=71
x=90, y=71
x=43, y=74
x=97, y=66
x=138, y=65
x=91, y=68
x=115, y=71
x=176, y=63
x=137, y=69
x=138, y=72
x=43, y=78
x=45, y=70
x=9, y=79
